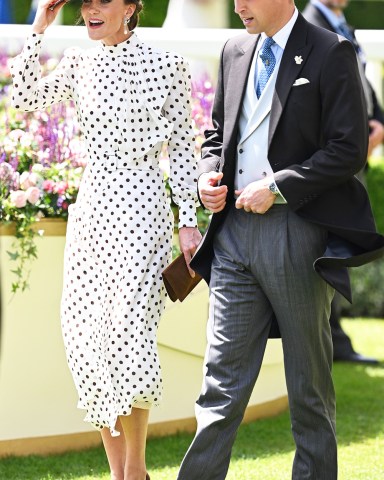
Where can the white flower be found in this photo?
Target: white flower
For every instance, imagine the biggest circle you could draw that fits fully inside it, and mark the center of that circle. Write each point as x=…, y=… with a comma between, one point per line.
x=37, y=168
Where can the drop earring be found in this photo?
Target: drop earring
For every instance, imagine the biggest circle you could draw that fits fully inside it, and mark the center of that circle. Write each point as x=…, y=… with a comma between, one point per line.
x=126, y=23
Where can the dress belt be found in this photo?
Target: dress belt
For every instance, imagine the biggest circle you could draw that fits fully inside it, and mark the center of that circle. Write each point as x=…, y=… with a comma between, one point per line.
x=119, y=161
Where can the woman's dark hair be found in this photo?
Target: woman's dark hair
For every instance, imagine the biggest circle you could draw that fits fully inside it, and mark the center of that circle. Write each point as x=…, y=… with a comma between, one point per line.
x=135, y=17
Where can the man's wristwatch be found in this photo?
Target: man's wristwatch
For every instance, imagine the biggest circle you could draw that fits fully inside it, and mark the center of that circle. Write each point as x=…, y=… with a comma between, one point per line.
x=272, y=187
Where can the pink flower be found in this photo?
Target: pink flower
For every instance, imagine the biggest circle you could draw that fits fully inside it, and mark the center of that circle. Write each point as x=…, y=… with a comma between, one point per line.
x=33, y=195
x=48, y=185
x=18, y=198
x=61, y=187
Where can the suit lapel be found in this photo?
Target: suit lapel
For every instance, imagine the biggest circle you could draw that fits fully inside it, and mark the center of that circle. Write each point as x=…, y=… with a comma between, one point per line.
x=237, y=84
x=296, y=54
x=261, y=108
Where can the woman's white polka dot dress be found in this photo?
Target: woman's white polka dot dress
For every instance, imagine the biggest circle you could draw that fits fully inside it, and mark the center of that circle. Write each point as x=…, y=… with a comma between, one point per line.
x=129, y=99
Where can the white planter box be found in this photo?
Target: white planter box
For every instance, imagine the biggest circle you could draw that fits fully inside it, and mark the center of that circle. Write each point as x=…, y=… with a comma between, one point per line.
x=38, y=400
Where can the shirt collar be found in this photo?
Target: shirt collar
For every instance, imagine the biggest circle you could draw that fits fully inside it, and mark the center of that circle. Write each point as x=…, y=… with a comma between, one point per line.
x=124, y=48
x=281, y=37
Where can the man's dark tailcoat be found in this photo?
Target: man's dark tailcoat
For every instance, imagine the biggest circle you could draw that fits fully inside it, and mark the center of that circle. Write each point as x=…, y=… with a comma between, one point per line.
x=318, y=138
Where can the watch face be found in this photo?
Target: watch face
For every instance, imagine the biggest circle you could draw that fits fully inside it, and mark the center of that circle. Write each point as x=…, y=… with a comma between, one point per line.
x=273, y=188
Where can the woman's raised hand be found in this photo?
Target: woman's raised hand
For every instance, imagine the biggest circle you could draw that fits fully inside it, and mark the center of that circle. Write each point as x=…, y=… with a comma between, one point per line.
x=45, y=16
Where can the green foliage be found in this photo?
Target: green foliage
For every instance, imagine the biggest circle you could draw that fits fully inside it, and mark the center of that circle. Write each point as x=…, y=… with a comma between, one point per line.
x=375, y=184
x=154, y=13
x=25, y=250
x=367, y=281
x=367, y=289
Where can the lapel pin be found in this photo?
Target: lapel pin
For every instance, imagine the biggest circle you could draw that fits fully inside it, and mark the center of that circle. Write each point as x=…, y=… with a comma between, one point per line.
x=299, y=60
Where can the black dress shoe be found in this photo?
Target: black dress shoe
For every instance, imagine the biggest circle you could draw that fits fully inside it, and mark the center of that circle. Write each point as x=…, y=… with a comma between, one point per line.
x=354, y=357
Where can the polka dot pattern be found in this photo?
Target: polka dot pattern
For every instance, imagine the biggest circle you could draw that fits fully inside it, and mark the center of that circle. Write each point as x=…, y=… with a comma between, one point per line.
x=129, y=100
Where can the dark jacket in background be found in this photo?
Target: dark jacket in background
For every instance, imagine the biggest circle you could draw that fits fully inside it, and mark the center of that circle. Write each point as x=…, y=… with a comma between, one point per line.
x=315, y=16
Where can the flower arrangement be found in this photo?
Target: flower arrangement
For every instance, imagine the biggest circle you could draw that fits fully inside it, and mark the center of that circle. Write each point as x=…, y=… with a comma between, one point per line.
x=42, y=160
x=41, y=163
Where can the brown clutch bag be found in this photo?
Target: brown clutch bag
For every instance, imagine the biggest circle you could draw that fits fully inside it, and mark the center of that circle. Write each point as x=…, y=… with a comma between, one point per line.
x=177, y=280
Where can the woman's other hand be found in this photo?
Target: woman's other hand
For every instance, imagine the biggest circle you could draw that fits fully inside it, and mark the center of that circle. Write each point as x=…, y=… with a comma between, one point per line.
x=189, y=239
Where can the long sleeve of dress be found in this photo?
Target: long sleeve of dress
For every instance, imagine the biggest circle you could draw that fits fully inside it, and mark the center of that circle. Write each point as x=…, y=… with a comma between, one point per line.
x=30, y=91
x=183, y=169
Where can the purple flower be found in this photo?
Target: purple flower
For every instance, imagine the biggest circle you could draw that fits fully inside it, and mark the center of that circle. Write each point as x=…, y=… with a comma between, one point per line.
x=8, y=177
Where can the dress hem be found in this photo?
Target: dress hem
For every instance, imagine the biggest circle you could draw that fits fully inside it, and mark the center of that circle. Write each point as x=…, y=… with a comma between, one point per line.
x=112, y=423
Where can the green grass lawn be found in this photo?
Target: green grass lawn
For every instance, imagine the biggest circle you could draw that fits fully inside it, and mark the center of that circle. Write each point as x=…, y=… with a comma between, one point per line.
x=264, y=449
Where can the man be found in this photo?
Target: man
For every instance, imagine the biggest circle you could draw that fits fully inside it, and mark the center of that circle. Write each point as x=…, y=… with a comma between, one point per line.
x=277, y=172
x=329, y=14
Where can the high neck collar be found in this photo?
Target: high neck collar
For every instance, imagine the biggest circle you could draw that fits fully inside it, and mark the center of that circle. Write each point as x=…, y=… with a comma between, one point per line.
x=124, y=48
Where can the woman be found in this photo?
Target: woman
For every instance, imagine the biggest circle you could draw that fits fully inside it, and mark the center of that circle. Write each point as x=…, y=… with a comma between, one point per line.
x=130, y=98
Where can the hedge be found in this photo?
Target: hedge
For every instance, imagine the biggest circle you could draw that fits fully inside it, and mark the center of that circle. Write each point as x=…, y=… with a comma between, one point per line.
x=368, y=281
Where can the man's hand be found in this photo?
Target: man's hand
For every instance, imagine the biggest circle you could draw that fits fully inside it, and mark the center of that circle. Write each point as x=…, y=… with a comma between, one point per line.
x=376, y=136
x=189, y=239
x=255, y=197
x=213, y=196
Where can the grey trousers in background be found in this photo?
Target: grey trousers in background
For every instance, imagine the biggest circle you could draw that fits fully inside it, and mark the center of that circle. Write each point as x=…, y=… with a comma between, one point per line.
x=263, y=266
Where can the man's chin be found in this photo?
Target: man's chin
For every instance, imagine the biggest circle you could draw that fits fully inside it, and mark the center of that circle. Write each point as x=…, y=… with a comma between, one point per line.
x=251, y=30
x=251, y=27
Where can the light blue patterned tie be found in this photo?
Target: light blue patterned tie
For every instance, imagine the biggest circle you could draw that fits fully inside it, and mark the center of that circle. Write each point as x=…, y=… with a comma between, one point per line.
x=269, y=62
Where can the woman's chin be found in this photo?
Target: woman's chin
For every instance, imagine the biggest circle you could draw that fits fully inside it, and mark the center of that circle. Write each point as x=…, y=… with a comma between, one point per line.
x=96, y=33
